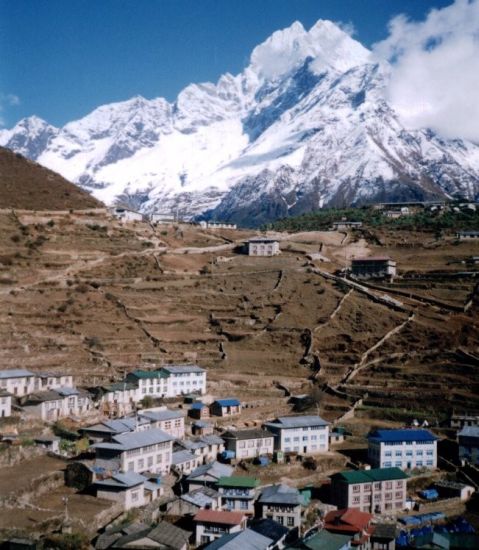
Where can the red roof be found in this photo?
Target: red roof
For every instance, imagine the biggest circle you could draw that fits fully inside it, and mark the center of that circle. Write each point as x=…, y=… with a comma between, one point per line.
x=347, y=519
x=218, y=516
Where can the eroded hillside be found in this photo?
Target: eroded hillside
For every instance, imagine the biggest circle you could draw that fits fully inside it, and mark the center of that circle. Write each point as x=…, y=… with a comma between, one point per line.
x=82, y=293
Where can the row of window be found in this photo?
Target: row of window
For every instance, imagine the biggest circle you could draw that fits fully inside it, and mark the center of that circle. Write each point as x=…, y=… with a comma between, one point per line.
x=377, y=486
x=419, y=463
x=322, y=437
x=148, y=462
x=409, y=453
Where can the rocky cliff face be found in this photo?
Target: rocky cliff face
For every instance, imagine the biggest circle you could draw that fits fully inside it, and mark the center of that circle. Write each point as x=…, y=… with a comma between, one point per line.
x=305, y=125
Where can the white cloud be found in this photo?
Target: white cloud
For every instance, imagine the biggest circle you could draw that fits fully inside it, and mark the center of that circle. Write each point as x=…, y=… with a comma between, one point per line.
x=7, y=100
x=435, y=69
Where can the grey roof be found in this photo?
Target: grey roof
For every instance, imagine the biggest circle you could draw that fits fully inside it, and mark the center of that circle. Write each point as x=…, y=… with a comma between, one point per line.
x=201, y=442
x=297, y=422
x=134, y=440
x=15, y=373
x=269, y=528
x=214, y=469
x=182, y=369
x=117, y=426
x=106, y=539
x=42, y=397
x=201, y=497
x=247, y=434
x=126, y=480
x=280, y=494
x=160, y=416
x=243, y=540
x=180, y=457
x=469, y=431
x=65, y=391
x=169, y=535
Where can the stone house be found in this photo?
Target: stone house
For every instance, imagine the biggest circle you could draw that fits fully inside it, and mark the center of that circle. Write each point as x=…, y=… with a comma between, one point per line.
x=280, y=503
x=146, y=451
x=374, y=267
x=300, y=434
x=377, y=491
x=51, y=405
x=263, y=247
x=130, y=489
x=225, y=407
x=238, y=493
x=249, y=443
x=213, y=524
x=18, y=382
x=5, y=404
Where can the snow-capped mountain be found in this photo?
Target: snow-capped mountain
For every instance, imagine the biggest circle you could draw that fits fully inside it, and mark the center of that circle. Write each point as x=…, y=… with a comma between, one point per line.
x=305, y=125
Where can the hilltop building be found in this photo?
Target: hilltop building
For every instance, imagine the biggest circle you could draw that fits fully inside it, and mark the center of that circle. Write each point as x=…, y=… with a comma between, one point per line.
x=263, y=247
x=126, y=215
x=374, y=267
x=406, y=449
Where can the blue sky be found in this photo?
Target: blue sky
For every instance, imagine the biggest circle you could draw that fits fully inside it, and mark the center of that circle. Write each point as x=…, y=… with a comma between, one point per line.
x=59, y=59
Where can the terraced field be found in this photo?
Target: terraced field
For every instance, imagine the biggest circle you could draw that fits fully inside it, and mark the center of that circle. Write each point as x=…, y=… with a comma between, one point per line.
x=82, y=293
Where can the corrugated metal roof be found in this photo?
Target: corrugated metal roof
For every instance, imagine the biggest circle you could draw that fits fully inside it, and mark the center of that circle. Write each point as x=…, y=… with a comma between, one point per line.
x=127, y=480
x=469, y=431
x=134, y=440
x=179, y=457
x=143, y=374
x=214, y=469
x=369, y=476
x=401, y=435
x=15, y=373
x=244, y=540
x=219, y=516
x=229, y=402
x=280, y=494
x=201, y=497
x=160, y=416
x=238, y=481
x=182, y=369
x=247, y=434
x=297, y=422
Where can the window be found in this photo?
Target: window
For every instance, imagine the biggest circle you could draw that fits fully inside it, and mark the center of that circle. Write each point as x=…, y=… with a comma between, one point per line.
x=398, y=494
x=399, y=483
x=356, y=500
x=141, y=463
x=356, y=488
x=279, y=519
x=367, y=487
x=387, y=464
x=134, y=496
x=131, y=466
x=305, y=438
x=388, y=496
x=398, y=464
x=290, y=521
x=398, y=453
x=388, y=453
x=150, y=461
x=389, y=485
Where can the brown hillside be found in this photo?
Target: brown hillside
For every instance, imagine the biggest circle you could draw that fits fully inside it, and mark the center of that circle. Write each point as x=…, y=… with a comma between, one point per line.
x=27, y=185
x=80, y=292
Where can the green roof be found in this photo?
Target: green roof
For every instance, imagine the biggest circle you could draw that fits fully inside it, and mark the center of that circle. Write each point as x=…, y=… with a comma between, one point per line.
x=369, y=476
x=149, y=374
x=324, y=540
x=238, y=481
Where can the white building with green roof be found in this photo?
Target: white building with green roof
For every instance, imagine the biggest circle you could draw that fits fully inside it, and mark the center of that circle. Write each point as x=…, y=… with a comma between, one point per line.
x=377, y=491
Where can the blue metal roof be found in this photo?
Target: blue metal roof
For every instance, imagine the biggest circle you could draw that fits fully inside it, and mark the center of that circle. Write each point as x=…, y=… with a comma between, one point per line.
x=382, y=436
x=228, y=402
x=243, y=540
x=198, y=406
x=297, y=422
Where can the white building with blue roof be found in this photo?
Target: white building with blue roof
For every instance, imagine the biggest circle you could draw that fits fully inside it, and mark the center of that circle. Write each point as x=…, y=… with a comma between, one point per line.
x=300, y=434
x=402, y=448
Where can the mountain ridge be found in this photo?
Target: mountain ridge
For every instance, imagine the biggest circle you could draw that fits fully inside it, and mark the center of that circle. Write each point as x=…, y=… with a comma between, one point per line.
x=305, y=125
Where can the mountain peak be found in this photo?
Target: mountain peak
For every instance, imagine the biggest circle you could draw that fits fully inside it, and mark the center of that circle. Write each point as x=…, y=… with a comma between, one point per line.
x=288, y=48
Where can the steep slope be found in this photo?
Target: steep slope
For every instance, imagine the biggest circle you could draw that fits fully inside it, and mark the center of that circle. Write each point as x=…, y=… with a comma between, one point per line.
x=27, y=185
x=304, y=125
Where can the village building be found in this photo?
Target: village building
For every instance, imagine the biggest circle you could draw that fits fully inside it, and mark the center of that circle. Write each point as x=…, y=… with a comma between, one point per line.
x=246, y=540
x=300, y=434
x=263, y=247
x=116, y=399
x=345, y=224
x=171, y=422
x=337, y=435
x=5, y=404
x=324, y=540
x=18, y=382
x=404, y=448
x=374, y=267
x=207, y=447
x=225, y=407
x=384, y=536
x=208, y=475
x=199, y=410
x=184, y=462
x=213, y=524
x=51, y=405
x=164, y=536
x=238, y=493
x=468, y=439
x=107, y=429
x=280, y=503
x=50, y=444
x=54, y=381
x=185, y=379
x=130, y=489
x=352, y=522
x=200, y=428
x=152, y=383
x=376, y=491
x=146, y=451
x=217, y=225
x=453, y=489
x=467, y=235
x=459, y=420
x=249, y=443
x=162, y=219
x=188, y=504
x=126, y=215
x=270, y=529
